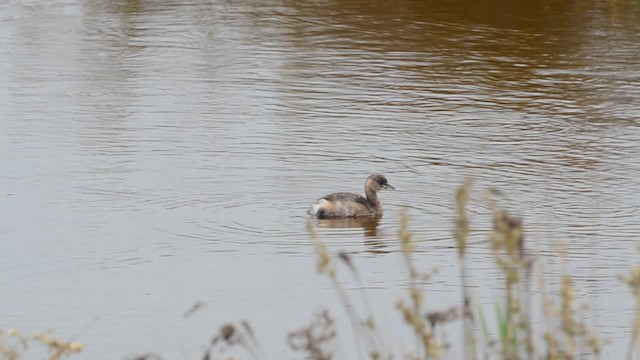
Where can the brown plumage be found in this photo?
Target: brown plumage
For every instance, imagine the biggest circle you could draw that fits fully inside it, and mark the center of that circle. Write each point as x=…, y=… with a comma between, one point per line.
x=343, y=204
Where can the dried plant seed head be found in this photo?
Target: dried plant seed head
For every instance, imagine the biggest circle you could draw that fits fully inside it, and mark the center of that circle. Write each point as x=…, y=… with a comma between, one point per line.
x=76, y=347
x=346, y=258
x=227, y=331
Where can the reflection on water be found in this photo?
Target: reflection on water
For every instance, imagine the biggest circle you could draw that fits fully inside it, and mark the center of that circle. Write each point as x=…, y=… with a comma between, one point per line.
x=373, y=243
x=159, y=153
x=369, y=225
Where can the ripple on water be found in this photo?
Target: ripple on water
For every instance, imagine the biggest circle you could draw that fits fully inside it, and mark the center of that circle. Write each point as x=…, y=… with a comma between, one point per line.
x=177, y=146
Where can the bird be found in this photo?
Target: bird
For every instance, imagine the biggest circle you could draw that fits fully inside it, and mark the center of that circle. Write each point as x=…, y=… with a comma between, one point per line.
x=348, y=205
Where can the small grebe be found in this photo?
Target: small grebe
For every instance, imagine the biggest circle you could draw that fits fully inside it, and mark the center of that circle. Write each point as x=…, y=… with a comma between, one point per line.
x=343, y=204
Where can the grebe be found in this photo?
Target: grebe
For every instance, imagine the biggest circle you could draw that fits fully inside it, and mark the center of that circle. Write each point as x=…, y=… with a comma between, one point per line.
x=344, y=204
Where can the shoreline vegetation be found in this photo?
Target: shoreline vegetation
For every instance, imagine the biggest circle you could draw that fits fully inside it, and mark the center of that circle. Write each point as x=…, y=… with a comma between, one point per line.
x=561, y=333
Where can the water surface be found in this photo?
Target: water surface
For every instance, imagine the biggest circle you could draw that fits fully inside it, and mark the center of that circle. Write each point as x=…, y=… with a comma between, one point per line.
x=159, y=153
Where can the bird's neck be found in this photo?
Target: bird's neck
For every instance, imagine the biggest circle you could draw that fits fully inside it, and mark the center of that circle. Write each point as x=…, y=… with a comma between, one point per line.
x=372, y=197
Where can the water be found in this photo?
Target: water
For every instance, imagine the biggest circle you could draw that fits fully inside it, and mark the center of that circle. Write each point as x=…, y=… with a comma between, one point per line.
x=157, y=154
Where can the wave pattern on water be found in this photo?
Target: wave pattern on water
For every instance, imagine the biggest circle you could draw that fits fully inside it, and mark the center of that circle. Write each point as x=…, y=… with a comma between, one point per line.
x=170, y=149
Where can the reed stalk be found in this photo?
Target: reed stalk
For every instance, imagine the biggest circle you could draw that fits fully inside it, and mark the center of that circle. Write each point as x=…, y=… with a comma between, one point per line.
x=461, y=233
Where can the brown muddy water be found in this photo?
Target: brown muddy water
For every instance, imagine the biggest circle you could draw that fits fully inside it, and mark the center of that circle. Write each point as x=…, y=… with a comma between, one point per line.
x=159, y=153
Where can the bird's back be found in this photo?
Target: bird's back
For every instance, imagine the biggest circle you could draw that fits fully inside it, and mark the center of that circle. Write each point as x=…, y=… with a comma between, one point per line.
x=342, y=204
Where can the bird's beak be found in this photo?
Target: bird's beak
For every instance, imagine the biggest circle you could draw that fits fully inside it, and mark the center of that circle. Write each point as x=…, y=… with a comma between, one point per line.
x=388, y=187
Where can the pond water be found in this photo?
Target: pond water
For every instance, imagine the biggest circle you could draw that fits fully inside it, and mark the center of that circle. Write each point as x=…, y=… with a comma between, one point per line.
x=156, y=154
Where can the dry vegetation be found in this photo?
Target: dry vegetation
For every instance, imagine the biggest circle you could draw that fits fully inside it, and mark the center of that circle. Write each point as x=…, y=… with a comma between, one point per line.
x=564, y=334
x=13, y=345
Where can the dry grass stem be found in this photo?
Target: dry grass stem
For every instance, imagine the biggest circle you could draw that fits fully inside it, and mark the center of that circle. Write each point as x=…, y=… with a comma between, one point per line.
x=461, y=234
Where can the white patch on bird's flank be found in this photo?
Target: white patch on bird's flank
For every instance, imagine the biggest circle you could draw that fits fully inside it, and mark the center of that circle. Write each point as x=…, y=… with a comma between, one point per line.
x=317, y=206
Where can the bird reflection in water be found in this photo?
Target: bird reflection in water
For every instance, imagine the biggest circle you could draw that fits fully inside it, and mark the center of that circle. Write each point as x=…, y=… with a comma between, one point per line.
x=369, y=226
